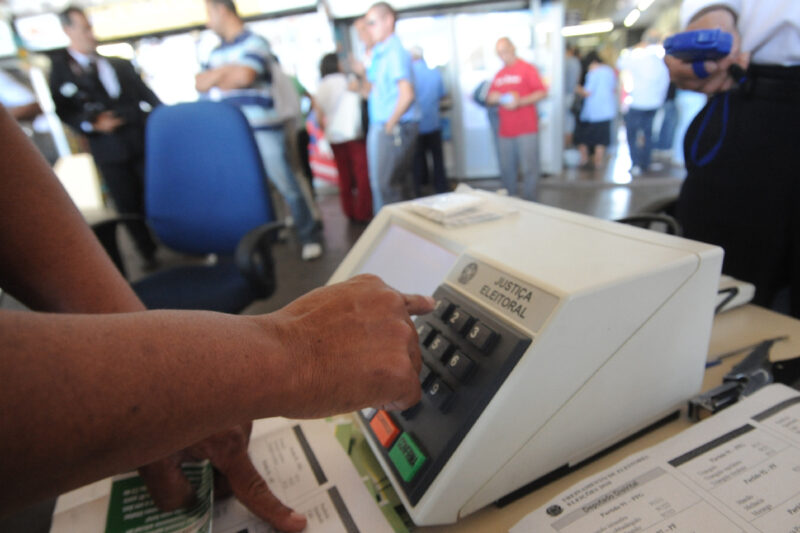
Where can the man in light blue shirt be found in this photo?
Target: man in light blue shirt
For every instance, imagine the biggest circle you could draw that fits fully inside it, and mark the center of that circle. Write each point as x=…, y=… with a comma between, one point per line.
x=429, y=91
x=393, y=113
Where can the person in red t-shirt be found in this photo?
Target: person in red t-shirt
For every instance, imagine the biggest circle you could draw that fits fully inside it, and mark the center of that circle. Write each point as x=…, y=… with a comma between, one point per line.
x=516, y=89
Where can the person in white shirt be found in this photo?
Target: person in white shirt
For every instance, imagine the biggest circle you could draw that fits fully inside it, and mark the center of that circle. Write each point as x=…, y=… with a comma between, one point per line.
x=741, y=190
x=339, y=113
x=647, y=80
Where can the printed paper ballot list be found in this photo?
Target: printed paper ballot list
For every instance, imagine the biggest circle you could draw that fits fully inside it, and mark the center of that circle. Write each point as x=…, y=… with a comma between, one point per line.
x=736, y=471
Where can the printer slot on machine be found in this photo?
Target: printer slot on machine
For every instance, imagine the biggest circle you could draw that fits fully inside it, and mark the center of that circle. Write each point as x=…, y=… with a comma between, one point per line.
x=555, y=335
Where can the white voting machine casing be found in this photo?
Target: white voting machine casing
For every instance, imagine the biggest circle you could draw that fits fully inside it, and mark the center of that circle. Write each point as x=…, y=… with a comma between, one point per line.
x=555, y=336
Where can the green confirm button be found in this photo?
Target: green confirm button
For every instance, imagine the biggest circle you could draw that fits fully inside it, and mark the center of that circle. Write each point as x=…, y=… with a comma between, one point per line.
x=407, y=457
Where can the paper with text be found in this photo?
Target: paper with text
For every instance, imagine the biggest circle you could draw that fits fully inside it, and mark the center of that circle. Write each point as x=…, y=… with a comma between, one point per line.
x=738, y=471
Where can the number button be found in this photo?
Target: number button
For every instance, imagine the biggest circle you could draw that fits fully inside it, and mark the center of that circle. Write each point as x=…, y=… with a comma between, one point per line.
x=459, y=320
x=440, y=347
x=460, y=366
x=442, y=308
x=439, y=393
x=425, y=332
x=482, y=337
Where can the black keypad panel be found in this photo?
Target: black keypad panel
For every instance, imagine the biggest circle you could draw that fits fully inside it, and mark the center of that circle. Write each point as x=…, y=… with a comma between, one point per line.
x=467, y=355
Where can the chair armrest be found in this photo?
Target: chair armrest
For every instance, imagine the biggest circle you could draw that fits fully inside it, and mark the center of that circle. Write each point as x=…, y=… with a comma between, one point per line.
x=106, y=233
x=647, y=220
x=254, y=257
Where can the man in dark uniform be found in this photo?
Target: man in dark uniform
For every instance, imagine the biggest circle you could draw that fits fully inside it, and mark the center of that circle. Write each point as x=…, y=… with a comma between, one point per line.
x=106, y=100
x=741, y=191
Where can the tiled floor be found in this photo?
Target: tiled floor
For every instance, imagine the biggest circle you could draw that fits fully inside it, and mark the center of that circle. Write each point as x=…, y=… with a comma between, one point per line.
x=609, y=192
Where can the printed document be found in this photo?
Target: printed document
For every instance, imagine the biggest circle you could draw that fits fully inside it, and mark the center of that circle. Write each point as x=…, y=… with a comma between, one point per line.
x=738, y=470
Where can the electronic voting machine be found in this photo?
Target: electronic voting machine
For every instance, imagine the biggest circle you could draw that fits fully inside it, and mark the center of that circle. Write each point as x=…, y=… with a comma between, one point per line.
x=555, y=335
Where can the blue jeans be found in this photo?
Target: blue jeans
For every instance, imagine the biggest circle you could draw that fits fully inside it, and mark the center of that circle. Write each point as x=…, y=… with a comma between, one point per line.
x=666, y=137
x=272, y=146
x=639, y=121
x=390, y=158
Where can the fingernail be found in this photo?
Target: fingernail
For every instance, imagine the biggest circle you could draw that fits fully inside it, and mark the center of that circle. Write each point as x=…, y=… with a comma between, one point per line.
x=297, y=517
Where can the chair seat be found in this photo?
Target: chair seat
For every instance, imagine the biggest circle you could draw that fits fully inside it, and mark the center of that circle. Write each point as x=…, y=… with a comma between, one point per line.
x=219, y=287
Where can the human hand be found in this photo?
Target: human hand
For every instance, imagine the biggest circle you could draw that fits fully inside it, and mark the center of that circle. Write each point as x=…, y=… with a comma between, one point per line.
x=204, y=81
x=388, y=128
x=227, y=452
x=510, y=100
x=353, y=345
x=357, y=67
x=718, y=80
x=107, y=121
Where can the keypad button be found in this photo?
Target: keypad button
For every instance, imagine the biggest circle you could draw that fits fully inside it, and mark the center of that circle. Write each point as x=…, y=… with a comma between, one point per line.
x=440, y=347
x=411, y=412
x=482, y=337
x=439, y=393
x=425, y=332
x=442, y=308
x=460, y=366
x=424, y=374
x=384, y=428
x=407, y=457
x=459, y=320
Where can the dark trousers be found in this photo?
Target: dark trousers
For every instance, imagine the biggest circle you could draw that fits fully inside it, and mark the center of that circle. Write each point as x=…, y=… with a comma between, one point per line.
x=638, y=123
x=746, y=198
x=125, y=183
x=429, y=143
x=354, y=188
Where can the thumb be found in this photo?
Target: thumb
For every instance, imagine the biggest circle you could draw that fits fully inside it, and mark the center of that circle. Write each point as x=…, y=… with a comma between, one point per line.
x=167, y=485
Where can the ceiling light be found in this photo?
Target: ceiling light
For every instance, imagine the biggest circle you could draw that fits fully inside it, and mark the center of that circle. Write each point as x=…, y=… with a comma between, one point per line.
x=587, y=28
x=644, y=4
x=632, y=17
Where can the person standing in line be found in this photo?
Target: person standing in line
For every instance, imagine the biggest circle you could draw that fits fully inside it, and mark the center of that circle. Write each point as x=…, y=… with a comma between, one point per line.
x=106, y=100
x=599, y=109
x=517, y=88
x=338, y=111
x=644, y=70
x=669, y=124
x=393, y=111
x=572, y=80
x=741, y=188
x=429, y=90
x=240, y=71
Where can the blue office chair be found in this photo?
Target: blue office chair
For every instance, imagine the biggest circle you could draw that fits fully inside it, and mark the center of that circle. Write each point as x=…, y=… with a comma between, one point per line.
x=205, y=193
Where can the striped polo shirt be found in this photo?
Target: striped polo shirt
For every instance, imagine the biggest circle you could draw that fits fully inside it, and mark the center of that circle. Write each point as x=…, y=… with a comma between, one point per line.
x=256, y=102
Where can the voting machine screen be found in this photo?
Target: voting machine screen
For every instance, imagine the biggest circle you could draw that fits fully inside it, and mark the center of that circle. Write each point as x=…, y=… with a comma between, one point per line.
x=555, y=335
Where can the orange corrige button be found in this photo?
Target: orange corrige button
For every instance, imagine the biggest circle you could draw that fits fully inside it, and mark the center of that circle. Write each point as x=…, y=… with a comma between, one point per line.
x=384, y=428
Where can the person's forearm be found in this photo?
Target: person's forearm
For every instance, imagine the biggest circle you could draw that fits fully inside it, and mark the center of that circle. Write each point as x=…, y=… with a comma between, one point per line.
x=405, y=97
x=49, y=258
x=85, y=397
x=26, y=112
x=226, y=77
x=532, y=98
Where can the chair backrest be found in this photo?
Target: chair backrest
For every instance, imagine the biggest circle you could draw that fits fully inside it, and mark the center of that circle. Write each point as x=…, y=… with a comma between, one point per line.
x=205, y=184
